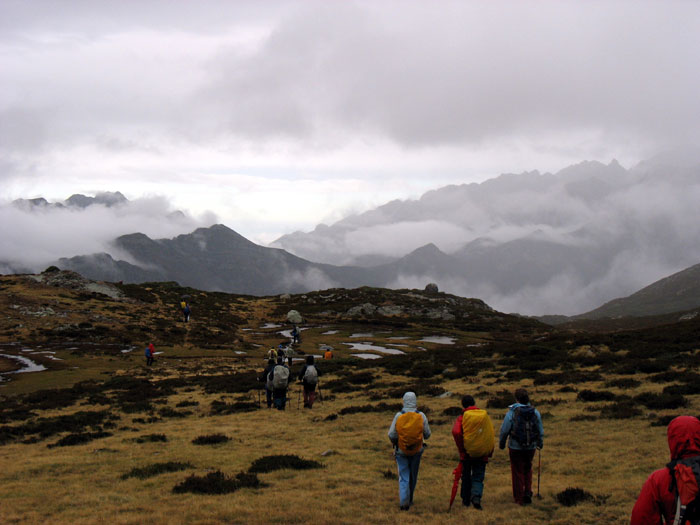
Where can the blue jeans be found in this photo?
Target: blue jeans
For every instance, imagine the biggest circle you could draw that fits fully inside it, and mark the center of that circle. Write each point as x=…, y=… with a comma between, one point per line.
x=408, y=476
x=473, y=472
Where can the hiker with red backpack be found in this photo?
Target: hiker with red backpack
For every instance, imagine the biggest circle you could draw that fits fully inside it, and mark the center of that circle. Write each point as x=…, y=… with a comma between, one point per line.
x=309, y=378
x=474, y=437
x=672, y=494
x=407, y=432
x=523, y=425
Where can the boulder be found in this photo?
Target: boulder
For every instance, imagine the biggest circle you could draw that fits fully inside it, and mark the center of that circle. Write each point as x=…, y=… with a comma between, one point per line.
x=431, y=288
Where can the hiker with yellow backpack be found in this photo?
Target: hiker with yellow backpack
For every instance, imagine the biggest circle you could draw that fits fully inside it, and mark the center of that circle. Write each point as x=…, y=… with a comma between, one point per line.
x=407, y=432
x=474, y=436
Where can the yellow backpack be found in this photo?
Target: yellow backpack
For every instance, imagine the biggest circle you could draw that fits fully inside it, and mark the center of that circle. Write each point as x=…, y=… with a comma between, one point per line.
x=409, y=427
x=477, y=430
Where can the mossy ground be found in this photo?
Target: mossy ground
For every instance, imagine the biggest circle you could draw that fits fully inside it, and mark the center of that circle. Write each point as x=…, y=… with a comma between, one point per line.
x=594, y=441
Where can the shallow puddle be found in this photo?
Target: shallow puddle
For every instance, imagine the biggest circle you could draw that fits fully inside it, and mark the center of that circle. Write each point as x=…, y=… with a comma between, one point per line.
x=375, y=348
x=438, y=339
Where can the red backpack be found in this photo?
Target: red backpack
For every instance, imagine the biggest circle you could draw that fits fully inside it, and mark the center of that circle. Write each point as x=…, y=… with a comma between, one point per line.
x=685, y=482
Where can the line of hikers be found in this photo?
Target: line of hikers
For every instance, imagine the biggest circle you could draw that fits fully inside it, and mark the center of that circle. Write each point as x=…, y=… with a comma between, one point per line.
x=276, y=380
x=474, y=436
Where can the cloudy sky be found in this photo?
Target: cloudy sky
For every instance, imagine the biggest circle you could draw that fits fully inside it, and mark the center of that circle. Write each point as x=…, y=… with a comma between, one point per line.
x=279, y=115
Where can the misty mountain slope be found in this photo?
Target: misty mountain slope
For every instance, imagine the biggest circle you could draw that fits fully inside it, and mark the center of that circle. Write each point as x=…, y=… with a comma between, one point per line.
x=214, y=259
x=534, y=243
x=676, y=293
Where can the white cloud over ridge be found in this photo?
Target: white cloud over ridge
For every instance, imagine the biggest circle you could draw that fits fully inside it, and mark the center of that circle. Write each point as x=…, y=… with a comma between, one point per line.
x=35, y=237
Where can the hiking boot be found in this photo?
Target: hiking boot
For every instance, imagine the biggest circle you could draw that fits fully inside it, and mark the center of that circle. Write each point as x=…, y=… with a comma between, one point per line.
x=476, y=502
x=405, y=507
x=527, y=499
x=466, y=503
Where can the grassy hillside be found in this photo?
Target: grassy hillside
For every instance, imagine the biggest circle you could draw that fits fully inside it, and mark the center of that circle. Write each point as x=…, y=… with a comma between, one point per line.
x=99, y=437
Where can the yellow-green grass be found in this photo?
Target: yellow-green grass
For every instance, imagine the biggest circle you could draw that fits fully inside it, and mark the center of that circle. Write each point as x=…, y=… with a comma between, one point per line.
x=82, y=484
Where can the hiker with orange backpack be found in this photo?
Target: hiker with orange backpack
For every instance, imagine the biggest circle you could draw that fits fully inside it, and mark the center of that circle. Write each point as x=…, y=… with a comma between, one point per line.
x=474, y=437
x=671, y=494
x=523, y=425
x=407, y=432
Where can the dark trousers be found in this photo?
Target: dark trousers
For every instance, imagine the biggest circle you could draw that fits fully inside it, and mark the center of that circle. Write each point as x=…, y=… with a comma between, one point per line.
x=473, y=473
x=521, y=473
x=149, y=360
x=268, y=397
x=279, y=396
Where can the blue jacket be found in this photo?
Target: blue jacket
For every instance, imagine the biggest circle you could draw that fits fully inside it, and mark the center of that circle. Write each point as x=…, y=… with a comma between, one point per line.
x=507, y=426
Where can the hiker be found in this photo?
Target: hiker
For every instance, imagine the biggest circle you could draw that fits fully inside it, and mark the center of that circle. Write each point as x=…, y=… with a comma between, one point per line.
x=272, y=354
x=309, y=377
x=659, y=495
x=407, y=432
x=288, y=352
x=328, y=354
x=280, y=379
x=296, y=336
x=523, y=424
x=150, y=351
x=474, y=437
x=265, y=378
x=186, y=312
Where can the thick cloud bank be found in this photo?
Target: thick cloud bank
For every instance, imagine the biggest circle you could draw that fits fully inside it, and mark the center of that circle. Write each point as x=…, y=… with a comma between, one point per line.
x=534, y=243
x=34, y=236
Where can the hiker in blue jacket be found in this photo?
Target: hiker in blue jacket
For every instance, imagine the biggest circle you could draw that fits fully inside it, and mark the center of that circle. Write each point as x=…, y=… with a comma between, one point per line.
x=408, y=447
x=523, y=424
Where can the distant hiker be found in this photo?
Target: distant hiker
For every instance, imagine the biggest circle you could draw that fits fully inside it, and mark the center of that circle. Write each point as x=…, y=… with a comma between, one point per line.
x=267, y=381
x=186, y=312
x=309, y=377
x=287, y=352
x=150, y=351
x=272, y=354
x=474, y=437
x=280, y=380
x=407, y=432
x=296, y=336
x=523, y=424
x=328, y=354
x=659, y=498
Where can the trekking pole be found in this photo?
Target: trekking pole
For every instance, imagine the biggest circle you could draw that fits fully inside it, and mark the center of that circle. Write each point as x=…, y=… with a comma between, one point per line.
x=258, y=398
x=539, y=470
x=298, y=397
x=320, y=395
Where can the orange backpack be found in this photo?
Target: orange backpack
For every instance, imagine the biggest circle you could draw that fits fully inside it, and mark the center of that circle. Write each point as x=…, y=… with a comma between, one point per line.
x=409, y=427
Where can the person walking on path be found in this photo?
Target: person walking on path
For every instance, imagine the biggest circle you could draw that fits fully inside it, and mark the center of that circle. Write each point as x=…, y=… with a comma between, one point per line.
x=328, y=354
x=289, y=353
x=186, y=312
x=407, y=432
x=268, y=382
x=150, y=352
x=280, y=380
x=659, y=496
x=474, y=437
x=309, y=378
x=523, y=424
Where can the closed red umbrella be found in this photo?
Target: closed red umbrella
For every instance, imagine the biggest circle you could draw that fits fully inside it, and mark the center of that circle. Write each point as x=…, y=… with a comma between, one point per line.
x=457, y=473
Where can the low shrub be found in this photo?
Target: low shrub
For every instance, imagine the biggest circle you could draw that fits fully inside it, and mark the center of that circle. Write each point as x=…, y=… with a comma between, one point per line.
x=687, y=389
x=662, y=421
x=156, y=469
x=566, y=378
x=211, y=439
x=220, y=408
x=217, y=483
x=389, y=474
x=592, y=396
x=452, y=411
x=379, y=407
x=573, y=496
x=663, y=400
x=502, y=399
x=621, y=409
x=183, y=404
x=286, y=461
x=170, y=412
x=151, y=438
x=625, y=382
x=78, y=439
